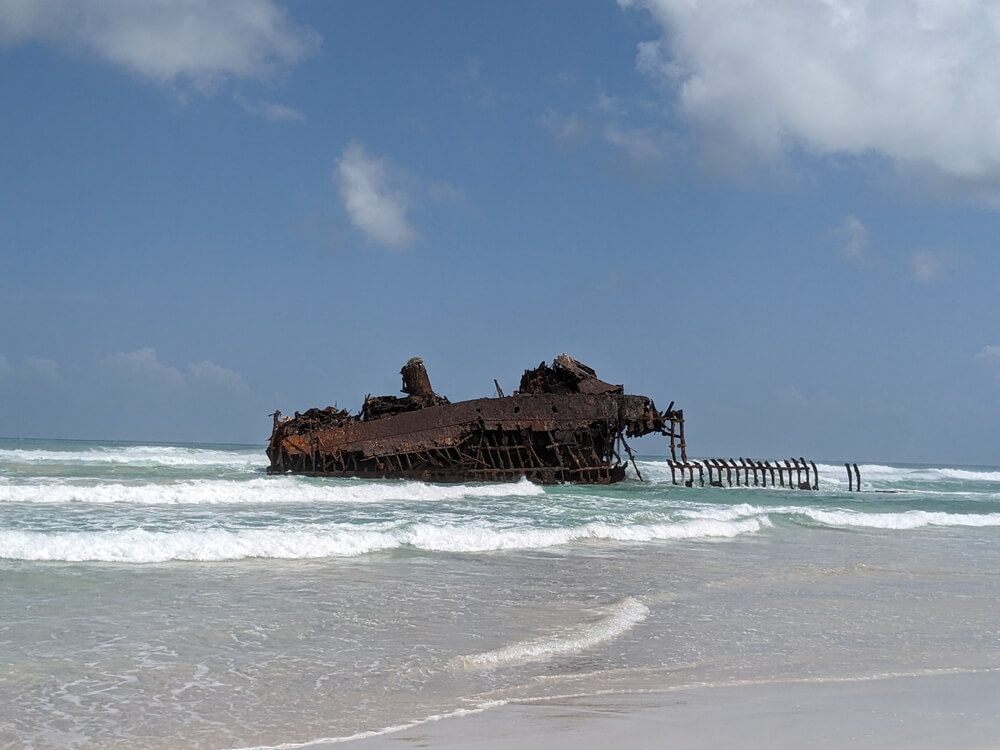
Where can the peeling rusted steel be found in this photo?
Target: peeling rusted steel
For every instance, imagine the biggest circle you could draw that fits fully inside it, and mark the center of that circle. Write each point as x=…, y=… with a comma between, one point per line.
x=563, y=424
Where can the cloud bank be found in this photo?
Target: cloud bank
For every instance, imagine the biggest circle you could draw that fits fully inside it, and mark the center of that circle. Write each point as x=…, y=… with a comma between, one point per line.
x=912, y=81
x=144, y=366
x=167, y=41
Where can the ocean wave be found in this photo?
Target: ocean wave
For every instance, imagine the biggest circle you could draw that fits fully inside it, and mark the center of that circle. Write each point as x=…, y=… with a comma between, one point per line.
x=483, y=537
x=138, y=456
x=911, y=519
x=138, y=545
x=263, y=490
x=882, y=473
x=615, y=621
x=208, y=545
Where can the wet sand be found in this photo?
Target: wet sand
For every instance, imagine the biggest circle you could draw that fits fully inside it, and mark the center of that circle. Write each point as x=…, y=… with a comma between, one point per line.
x=922, y=712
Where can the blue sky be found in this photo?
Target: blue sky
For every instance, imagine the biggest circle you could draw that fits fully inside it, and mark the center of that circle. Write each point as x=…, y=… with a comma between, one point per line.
x=782, y=215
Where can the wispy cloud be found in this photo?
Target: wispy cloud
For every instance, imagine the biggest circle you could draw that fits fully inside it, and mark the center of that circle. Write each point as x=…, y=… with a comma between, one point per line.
x=469, y=80
x=990, y=356
x=636, y=147
x=568, y=130
x=42, y=367
x=270, y=110
x=927, y=265
x=642, y=145
x=36, y=368
x=175, y=42
x=912, y=80
x=443, y=192
x=852, y=238
x=375, y=203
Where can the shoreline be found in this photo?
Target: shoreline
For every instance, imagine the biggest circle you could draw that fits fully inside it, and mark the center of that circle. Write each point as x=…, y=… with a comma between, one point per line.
x=925, y=711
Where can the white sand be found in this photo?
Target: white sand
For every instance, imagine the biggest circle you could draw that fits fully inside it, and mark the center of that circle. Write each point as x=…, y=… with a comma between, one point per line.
x=933, y=711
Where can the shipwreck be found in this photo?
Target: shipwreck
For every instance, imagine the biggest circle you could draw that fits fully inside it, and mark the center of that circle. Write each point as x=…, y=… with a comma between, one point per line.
x=562, y=424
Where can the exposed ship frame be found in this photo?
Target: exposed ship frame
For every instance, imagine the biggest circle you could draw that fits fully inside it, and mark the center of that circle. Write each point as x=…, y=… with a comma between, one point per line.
x=563, y=424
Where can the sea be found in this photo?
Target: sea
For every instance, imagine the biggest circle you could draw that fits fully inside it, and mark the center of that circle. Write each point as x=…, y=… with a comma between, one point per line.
x=165, y=596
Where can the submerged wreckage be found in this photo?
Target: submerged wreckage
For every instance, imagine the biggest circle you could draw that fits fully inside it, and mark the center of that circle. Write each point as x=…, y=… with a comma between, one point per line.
x=563, y=424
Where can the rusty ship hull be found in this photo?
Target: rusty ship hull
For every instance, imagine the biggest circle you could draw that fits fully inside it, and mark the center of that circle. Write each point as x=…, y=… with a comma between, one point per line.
x=563, y=425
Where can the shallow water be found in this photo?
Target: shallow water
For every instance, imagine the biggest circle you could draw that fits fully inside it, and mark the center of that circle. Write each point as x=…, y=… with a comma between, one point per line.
x=176, y=595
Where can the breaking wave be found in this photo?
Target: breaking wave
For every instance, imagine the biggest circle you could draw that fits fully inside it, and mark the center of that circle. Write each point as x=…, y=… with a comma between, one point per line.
x=616, y=620
x=911, y=519
x=140, y=456
x=259, y=490
x=139, y=545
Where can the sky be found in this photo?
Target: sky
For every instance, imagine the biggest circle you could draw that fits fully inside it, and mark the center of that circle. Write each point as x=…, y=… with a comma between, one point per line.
x=781, y=215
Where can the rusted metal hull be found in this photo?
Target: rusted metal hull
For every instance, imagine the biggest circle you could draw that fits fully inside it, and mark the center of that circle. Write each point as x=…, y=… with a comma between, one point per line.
x=546, y=437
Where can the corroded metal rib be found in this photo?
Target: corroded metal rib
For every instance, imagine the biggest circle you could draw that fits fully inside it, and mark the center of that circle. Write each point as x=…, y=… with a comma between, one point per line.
x=562, y=425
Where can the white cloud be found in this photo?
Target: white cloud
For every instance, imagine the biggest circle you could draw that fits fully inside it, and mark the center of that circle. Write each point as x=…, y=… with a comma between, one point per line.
x=144, y=365
x=926, y=265
x=990, y=354
x=608, y=105
x=167, y=41
x=627, y=130
x=375, y=203
x=852, y=237
x=911, y=80
x=209, y=372
x=270, y=110
x=642, y=145
x=5, y=366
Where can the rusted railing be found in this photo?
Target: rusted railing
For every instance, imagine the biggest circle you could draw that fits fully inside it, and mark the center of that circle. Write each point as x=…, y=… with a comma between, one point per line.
x=853, y=486
x=793, y=473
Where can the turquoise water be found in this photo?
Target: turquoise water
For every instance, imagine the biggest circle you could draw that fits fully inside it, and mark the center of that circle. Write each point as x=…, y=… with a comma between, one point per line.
x=176, y=595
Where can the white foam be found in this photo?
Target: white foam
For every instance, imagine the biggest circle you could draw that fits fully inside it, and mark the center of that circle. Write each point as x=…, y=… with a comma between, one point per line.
x=258, y=490
x=912, y=519
x=881, y=473
x=138, y=545
x=616, y=620
x=481, y=537
x=208, y=545
x=139, y=455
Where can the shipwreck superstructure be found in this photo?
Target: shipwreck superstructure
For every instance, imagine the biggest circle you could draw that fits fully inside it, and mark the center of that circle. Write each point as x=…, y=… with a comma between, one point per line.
x=563, y=424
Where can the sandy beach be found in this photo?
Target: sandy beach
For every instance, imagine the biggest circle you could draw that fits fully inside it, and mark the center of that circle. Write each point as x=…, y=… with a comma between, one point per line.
x=923, y=712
